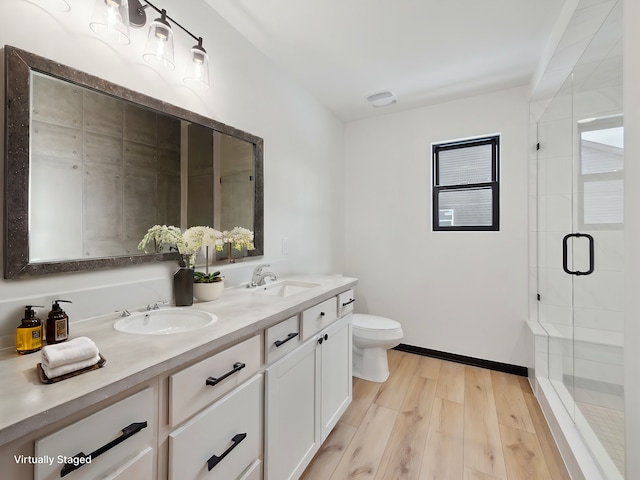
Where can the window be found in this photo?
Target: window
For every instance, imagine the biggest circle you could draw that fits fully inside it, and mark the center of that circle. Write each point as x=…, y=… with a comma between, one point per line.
x=465, y=184
x=601, y=175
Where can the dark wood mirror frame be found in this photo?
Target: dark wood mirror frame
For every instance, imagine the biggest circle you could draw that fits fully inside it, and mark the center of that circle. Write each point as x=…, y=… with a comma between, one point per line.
x=18, y=67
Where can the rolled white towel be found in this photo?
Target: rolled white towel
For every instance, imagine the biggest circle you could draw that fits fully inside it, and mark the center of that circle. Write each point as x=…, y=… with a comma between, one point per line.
x=69, y=352
x=69, y=367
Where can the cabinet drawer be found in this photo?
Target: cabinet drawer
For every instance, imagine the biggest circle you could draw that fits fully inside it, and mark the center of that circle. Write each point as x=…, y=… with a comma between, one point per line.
x=345, y=303
x=316, y=318
x=98, y=430
x=189, y=391
x=281, y=339
x=223, y=441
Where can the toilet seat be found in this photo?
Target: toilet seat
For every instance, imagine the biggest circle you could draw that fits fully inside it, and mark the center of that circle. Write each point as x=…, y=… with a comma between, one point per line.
x=373, y=322
x=372, y=327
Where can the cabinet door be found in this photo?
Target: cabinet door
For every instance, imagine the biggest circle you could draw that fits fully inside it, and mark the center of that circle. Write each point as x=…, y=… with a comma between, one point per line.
x=335, y=373
x=290, y=421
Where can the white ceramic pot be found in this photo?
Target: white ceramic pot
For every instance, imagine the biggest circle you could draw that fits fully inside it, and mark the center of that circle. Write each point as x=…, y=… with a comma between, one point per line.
x=206, y=292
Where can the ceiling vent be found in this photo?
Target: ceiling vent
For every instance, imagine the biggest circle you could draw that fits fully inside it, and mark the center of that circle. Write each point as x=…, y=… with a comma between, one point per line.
x=382, y=99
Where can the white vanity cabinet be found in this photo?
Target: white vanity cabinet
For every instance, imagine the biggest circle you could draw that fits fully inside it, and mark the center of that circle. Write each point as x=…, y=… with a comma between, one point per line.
x=306, y=393
x=256, y=405
x=119, y=438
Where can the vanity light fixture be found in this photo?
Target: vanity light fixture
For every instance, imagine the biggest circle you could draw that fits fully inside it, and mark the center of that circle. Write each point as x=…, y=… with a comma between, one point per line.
x=159, y=49
x=382, y=99
x=197, y=73
x=111, y=19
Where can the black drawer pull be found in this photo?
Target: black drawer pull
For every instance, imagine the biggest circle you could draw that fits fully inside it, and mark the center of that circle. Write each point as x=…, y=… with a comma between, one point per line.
x=211, y=381
x=292, y=335
x=322, y=314
x=215, y=459
x=344, y=304
x=323, y=338
x=127, y=432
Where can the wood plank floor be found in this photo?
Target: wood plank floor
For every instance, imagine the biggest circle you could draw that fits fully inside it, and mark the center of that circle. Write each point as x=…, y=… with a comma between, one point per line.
x=438, y=420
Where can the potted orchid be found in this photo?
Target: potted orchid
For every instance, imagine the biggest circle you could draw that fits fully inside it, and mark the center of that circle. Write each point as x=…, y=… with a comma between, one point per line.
x=188, y=245
x=208, y=286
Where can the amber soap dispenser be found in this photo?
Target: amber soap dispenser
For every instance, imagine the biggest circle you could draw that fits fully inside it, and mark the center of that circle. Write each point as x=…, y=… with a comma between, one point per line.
x=29, y=332
x=57, y=325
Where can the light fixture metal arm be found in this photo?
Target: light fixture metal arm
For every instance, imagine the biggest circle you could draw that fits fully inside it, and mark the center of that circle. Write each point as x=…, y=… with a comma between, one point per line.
x=197, y=39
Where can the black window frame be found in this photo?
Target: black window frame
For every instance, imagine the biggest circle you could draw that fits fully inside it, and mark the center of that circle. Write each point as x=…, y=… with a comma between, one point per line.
x=494, y=184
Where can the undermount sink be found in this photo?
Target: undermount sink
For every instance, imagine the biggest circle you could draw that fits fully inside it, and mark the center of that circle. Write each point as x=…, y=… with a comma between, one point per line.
x=284, y=288
x=166, y=321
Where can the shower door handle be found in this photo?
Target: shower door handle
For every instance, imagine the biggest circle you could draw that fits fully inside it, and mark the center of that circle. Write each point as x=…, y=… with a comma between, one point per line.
x=565, y=255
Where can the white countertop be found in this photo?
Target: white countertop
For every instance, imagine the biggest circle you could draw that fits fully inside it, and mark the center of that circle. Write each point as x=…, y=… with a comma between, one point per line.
x=27, y=405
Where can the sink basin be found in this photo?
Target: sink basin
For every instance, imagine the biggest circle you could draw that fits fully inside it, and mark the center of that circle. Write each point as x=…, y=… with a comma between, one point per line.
x=165, y=321
x=284, y=288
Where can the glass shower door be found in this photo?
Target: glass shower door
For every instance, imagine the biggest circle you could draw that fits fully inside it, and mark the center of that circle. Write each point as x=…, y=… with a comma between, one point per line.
x=580, y=244
x=598, y=297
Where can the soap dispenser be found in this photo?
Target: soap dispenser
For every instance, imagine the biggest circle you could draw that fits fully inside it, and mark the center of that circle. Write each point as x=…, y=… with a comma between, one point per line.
x=29, y=332
x=57, y=325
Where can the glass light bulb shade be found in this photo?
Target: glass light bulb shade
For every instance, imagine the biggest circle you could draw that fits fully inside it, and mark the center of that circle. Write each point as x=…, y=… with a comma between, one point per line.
x=197, y=73
x=110, y=20
x=159, y=49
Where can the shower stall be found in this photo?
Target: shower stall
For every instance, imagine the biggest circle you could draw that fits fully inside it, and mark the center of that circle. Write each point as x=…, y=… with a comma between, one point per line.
x=577, y=256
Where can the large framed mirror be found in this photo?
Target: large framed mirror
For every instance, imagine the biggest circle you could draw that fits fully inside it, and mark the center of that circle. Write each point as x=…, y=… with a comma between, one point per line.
x=90, y=166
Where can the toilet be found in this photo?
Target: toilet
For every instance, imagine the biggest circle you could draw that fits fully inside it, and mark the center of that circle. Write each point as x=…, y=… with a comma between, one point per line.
x=372, y=337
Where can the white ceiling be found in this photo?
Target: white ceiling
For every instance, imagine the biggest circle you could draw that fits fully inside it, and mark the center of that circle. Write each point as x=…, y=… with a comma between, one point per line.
x=426, y=51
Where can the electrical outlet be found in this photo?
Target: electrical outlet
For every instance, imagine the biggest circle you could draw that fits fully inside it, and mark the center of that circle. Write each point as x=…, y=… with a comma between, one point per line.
x=285, y=245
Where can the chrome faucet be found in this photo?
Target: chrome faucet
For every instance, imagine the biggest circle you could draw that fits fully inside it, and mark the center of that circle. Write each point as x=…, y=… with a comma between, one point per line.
x=156, y=306
x=258, y=278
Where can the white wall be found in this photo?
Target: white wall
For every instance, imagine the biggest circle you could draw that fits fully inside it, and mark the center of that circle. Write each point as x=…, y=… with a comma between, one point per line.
x=459, y=292
x=303, y=144
x=632, y=235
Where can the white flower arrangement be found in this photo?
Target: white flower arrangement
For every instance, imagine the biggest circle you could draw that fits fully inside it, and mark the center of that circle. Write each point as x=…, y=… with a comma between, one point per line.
x=212, y=238
x=160, y=235
x=194, y=239
x=239, y=238
x=188, y=243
